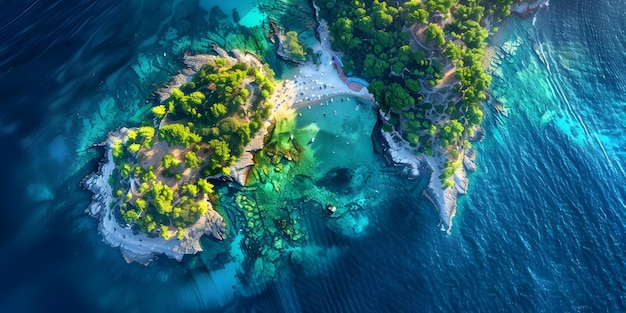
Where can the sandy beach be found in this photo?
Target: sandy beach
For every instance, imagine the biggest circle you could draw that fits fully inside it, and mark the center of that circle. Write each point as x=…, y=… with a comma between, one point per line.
x=313, y=83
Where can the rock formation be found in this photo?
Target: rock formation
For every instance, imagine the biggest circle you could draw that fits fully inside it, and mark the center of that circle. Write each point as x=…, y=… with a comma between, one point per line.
x=526, y=8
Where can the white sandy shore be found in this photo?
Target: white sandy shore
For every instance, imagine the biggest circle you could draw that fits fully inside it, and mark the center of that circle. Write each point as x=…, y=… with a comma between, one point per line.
x=313, y=83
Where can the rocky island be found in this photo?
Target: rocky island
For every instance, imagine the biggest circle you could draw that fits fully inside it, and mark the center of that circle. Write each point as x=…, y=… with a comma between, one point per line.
x=152, y=186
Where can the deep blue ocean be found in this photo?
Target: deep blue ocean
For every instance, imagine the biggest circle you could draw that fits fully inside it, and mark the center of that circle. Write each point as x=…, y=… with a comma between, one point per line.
x=542, y=228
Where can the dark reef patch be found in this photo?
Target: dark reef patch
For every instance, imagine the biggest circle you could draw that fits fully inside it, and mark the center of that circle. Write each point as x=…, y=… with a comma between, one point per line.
x=337, y=180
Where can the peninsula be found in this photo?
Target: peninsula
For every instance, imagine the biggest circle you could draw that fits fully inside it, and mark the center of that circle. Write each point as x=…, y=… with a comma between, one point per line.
x=424, y=62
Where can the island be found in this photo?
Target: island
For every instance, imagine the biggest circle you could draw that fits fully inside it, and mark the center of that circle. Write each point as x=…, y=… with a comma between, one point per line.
x=419, y=65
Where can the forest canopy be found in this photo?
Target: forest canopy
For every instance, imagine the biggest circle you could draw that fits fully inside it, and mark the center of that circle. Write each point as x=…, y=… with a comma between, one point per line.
x=204, y=125
x=406, y=48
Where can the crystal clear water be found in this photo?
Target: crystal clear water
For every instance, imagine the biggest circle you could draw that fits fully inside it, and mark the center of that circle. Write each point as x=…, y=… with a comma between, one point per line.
x=541, y=228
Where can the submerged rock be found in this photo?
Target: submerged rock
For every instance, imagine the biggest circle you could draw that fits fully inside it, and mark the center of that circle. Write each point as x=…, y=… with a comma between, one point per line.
x=337, y=180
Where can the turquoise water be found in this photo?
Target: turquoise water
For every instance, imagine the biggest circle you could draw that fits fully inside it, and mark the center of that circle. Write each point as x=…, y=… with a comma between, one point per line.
x=249, y=13
x=541, y=228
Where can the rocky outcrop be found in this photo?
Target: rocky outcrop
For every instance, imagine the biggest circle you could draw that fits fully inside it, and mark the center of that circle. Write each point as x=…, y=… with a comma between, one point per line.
x=443, y=199
x=526, y=8
x=469, y=160
x=281, y=51
x=194, y=63
x=241, y=169
x=402, y=156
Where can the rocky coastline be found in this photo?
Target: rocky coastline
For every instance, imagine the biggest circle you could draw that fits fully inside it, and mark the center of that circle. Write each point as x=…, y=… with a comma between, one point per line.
x=413, y=164
x=401, y=154
x=526, y=8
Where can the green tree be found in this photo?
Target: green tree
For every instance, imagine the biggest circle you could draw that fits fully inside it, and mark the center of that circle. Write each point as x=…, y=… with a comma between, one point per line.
x=205, y=187
x=180, y=233
x=159, y=111
x=190, y=190
x=365, y=25
x=117, y=150
x=451, y=132
x=218, y=110
x=125, y=170
x=294, y=47
x=141, y=204
x=131, y=136
x=434, y=33
x=131, y=216
x=453, y=51
x=133, y=148
x=474, y=115
x=412, y=85
x=221, y=154
x=162, y=196
x=343, y=29
x=395, y=97
x=145, y=136
x=178, y=134
x=191, y=160
x=168, y=161
x=228, y=125
x=375, y=66
x=143, y=188
x=148, y=175
x=382, y=14
x=150, y=225
x=418, y=16
x=165, y=232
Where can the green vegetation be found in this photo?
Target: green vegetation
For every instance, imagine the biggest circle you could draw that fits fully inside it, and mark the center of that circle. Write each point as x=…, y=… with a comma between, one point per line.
x=205, y=125
x=376, y=37
x=191, y=160
x=293, y=46
x=178, y=134
x=434, y=33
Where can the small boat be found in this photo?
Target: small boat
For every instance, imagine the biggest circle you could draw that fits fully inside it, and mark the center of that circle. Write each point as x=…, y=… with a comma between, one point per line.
x=312, y=140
